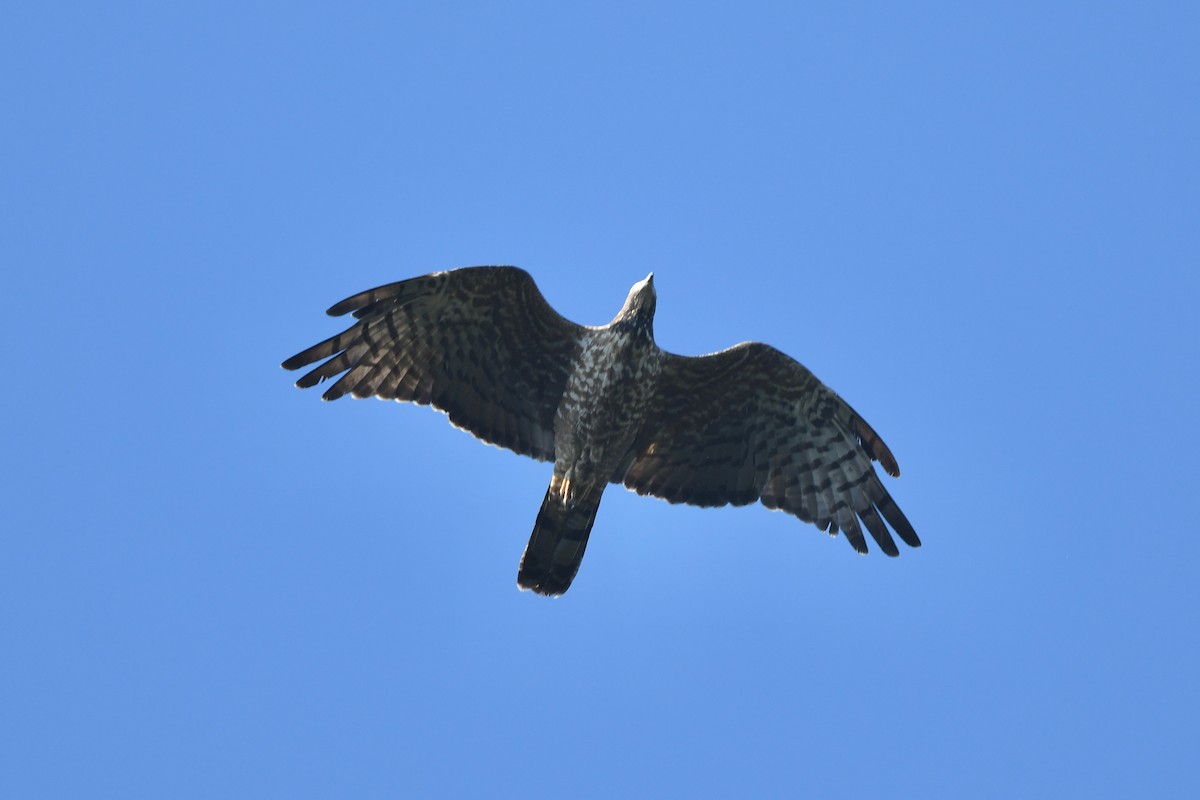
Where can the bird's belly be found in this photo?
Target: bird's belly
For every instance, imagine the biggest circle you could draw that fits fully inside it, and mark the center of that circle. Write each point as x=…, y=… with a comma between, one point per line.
x=598, y=419
x=590, y=441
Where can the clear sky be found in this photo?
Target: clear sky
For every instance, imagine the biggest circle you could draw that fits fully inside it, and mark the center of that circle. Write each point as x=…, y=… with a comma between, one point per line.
x=976, y=221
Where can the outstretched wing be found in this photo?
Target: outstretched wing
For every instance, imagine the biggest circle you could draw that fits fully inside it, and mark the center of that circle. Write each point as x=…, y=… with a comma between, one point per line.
x=750, y=423
x=479, y=343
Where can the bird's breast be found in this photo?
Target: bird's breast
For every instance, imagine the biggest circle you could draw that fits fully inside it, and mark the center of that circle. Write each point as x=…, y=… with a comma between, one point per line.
x=603, y=405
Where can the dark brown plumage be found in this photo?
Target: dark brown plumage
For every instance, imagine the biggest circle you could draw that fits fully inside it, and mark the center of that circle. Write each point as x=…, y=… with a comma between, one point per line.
x=607, y=405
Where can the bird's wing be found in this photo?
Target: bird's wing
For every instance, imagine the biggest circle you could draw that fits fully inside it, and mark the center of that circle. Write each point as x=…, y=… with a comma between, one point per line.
x=479, y=343
x=750, y=423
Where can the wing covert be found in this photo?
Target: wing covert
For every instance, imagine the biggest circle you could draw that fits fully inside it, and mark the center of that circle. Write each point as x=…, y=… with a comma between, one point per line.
x=479, y=343
x=750, y=423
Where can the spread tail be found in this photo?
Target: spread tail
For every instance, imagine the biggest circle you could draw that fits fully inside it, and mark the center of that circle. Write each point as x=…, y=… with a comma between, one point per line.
x=559, y=538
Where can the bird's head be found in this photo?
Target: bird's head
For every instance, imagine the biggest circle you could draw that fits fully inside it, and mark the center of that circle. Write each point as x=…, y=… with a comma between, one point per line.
x=638, y=311
x=641, y=297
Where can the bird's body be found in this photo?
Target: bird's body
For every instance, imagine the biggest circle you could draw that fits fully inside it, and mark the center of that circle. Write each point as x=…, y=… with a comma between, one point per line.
x=605, y=404
x=606, y=395
x=602, y=410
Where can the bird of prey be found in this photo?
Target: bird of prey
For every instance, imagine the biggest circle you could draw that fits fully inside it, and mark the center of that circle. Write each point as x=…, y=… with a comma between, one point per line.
x=606, y=405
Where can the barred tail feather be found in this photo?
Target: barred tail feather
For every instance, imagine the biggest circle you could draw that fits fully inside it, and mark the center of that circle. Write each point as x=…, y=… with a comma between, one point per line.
x=556, y=546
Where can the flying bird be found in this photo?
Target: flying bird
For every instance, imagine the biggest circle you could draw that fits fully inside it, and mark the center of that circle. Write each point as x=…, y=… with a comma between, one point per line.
x=606, y=405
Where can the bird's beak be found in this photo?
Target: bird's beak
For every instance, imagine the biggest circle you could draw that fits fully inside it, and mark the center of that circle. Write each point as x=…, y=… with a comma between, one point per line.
x=650, y=279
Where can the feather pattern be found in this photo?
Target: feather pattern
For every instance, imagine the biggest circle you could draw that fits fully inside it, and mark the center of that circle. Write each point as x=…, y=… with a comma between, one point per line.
x=605, y=404
x=750, y=423
x=480, y=344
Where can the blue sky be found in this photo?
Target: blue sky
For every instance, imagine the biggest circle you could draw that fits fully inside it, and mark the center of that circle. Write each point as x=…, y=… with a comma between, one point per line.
x=977, y=222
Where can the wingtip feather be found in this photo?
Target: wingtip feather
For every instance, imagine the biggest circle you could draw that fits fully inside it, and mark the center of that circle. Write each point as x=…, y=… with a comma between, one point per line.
x=309, y=380
x=293, y=363
x=875, y=447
